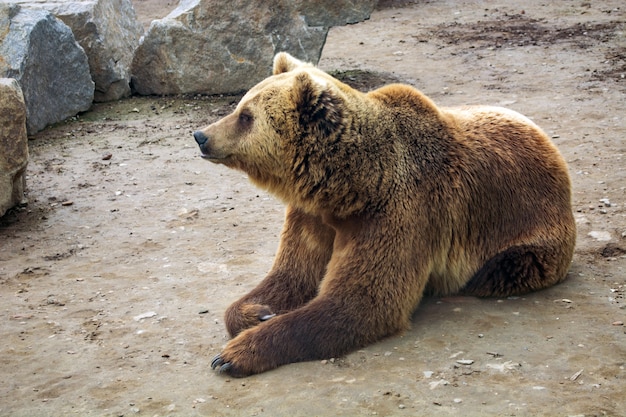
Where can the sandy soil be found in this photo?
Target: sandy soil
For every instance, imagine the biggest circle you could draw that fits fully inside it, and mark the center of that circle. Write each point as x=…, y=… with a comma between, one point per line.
x=115, y=276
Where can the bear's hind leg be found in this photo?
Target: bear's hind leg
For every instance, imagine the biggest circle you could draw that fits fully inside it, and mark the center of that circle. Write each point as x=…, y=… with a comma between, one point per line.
x=519, y=270
x=305, y=248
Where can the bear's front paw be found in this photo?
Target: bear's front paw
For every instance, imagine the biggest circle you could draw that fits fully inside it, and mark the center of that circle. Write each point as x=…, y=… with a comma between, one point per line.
x=244, y=316
x=220, y=365
x=245, y=355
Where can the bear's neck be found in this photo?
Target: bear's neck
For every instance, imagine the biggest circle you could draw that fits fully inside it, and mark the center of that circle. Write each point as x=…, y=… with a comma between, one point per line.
x=383, y=150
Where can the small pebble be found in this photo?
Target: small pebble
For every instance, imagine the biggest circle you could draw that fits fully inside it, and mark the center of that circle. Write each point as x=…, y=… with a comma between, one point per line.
x=107, y=156
x=147, y=315
x=576, y=375
x=618, y=323
x=67, y=203
x=465, y=361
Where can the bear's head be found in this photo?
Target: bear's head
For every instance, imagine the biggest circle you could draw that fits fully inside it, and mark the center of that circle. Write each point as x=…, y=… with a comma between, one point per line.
x=287, y=132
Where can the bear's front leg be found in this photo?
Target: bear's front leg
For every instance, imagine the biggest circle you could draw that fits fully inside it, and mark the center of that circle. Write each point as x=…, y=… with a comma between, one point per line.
x=322, y=329
x=305, y=248
x=372, y=284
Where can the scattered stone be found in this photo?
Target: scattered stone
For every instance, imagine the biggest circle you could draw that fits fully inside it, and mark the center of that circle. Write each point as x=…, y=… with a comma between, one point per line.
x=107, y=156
x=601, y=236
x=576, y=375
x=618, y=323
x=505, y=366
x=13, y=144
x=606, y=202
x=465, y=361
x=40, y=52
x=146, y=315
x=435, y=384
x=67, y=203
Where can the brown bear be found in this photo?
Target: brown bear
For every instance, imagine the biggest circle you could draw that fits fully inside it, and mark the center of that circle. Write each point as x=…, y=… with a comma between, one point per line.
x=389, y=197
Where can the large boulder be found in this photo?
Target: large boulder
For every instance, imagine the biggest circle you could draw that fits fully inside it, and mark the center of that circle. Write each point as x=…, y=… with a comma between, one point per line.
x=109, y=33
x=13, y=144
x=226, y=46
x=40, y=52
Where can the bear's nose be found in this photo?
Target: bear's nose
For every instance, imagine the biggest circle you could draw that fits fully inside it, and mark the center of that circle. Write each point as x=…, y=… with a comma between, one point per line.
x=200, y=137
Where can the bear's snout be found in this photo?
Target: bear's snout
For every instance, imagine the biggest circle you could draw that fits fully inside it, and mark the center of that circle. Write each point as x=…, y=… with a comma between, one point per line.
x=203, y=142
x=200, y=137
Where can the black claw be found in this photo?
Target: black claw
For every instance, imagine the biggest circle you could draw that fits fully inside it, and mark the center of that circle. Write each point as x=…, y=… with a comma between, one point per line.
x=219, y=364
x=217, y=361
x=225, y=368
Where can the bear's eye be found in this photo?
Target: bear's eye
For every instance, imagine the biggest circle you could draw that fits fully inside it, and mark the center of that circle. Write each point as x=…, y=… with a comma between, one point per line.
x=245, y=118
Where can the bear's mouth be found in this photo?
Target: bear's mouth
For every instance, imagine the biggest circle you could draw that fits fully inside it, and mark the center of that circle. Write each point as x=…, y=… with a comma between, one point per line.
x=213, y=158
x=209, y=157
x=206, y=153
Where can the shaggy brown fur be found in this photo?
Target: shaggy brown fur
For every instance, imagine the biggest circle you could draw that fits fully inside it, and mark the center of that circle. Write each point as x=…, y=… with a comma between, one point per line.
x=388, y=197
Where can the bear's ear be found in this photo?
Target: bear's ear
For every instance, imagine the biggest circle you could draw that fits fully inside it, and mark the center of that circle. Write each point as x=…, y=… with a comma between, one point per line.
x=283, y=62
x=317, y=104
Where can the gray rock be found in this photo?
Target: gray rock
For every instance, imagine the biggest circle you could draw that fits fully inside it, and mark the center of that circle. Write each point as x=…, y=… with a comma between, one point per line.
x=227, y=46
x=13, y=144
x=40, y=52
x=109, y=33
x=336, y=13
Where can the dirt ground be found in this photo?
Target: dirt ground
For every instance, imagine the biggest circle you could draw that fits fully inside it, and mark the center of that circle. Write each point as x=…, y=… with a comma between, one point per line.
x=115, y=275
